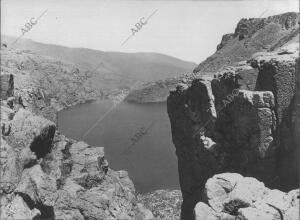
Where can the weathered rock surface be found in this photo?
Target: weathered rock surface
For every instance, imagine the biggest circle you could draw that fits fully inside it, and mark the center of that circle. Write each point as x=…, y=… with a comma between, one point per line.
x=232, y=196
x=217, y=127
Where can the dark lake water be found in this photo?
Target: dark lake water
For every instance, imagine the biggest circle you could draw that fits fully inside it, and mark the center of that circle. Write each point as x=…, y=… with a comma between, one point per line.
x=149, y=157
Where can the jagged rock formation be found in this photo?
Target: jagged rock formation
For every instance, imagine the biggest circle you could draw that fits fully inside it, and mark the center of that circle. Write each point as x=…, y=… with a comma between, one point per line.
x=217, y=127
x=45, y=175
x=232, y=196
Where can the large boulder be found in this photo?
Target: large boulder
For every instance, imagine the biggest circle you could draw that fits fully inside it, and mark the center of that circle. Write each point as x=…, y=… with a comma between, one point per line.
x=232, y=196
x=228, y=190
x=31, y=132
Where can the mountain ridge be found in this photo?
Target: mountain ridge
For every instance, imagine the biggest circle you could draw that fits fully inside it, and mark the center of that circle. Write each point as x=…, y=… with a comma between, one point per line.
x=140, y=66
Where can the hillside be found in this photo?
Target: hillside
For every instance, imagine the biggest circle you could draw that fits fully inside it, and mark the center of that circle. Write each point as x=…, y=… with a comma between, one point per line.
x=250, y=36
x=46, y=85
x=116, y=69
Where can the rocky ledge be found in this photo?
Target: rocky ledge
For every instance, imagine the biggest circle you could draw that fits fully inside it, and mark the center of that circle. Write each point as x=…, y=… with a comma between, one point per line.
x=218, y=127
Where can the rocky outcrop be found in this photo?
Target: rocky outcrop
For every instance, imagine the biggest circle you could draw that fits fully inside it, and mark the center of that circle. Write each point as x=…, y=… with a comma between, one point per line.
x=45, y=175
x=232, y=196
x=217, y=127
x=31, y=133
x=278, y=74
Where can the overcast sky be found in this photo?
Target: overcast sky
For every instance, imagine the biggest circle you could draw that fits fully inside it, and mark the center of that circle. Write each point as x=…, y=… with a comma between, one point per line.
x=189, y=30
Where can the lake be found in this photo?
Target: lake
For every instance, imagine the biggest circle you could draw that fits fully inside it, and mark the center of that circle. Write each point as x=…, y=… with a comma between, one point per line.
x=136, y=138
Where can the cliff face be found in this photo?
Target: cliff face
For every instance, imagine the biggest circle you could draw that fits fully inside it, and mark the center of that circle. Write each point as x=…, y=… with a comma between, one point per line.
x=217, y=127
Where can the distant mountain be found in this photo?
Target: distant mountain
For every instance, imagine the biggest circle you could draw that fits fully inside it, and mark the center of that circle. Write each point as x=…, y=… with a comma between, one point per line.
x=250, y=36
x=116, y=69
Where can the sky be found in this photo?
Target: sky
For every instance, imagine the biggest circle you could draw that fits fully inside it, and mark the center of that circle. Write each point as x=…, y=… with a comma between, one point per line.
x=189, y=30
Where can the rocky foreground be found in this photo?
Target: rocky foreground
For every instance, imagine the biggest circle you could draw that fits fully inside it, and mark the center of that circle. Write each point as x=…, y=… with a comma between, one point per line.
x=218, y=127
x=231, y=196
x=45, y=175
